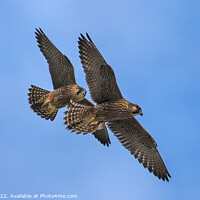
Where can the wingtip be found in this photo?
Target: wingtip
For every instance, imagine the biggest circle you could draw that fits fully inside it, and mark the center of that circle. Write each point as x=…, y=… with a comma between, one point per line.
x=82, y=36
x=38, y=32
x=79, y=40
x=40, y=29
x=105, y=144
x=165, y=177
x=108, y=144
x=89, y=37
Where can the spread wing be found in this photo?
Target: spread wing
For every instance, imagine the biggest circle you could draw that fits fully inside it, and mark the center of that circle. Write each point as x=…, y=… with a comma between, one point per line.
x=139, y=142
x=102, y=134
x=60, y=67
x=100, y=76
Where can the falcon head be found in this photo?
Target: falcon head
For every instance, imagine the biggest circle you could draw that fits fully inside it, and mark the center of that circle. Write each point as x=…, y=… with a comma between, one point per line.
x=135, y=109
x=81, y=93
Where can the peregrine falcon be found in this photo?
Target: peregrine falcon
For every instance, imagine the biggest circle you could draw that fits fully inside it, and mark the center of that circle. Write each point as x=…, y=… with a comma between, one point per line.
x=113, y=109
x=46, y=103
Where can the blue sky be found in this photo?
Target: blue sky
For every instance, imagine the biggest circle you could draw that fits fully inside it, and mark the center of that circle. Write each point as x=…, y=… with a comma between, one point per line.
x=153, y=47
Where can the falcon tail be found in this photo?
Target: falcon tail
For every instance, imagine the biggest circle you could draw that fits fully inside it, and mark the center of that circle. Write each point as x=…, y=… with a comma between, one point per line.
x=77, y=116
x=36, y=99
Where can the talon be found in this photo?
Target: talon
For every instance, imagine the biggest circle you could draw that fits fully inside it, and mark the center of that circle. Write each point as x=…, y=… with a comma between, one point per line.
x=47, y=101
x=52, y=110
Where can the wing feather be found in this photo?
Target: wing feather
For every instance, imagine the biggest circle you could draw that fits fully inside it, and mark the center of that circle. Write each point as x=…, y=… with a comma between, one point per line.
x=100, y=76
x=60, y=67
x=140, y=144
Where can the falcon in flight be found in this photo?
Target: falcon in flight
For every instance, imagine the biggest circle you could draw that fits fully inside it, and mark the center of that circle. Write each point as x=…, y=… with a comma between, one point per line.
x=46, y=103
x=113, y=109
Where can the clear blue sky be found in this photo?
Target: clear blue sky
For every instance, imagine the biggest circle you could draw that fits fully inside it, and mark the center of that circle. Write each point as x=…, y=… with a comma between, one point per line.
x=153, y=47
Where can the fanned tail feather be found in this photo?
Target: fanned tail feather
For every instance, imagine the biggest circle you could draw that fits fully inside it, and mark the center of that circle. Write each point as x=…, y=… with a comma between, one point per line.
x=35, y=95
x=76, y=117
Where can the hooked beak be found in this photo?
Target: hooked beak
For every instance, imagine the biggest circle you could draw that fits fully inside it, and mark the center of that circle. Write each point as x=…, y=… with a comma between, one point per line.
x=140, y=112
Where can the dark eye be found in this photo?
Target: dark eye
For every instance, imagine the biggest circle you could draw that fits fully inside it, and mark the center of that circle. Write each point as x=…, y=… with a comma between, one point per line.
x=78, y=92
x=81, y=91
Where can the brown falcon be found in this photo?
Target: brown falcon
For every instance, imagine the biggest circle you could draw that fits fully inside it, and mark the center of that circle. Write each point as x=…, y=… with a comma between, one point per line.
x=114, y=109
x=46, y=103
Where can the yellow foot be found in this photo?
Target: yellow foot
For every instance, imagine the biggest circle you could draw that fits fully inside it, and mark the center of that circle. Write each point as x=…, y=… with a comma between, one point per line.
x=47, y=101
x=90, y=120
x=52, y=110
